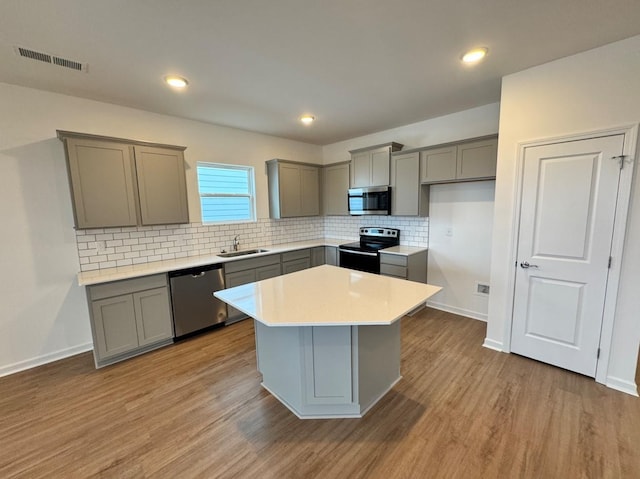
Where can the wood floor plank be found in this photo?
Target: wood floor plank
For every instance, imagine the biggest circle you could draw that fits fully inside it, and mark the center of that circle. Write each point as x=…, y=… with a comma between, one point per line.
x=196, y=409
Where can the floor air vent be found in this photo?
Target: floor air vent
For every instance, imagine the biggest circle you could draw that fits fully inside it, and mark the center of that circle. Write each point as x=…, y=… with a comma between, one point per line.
x=51, y=59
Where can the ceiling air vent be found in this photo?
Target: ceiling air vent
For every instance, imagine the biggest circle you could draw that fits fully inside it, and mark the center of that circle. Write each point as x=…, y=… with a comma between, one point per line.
x=51, y=59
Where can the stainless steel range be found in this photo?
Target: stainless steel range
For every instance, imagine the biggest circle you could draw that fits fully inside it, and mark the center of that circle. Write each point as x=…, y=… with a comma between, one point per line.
x=363, y=255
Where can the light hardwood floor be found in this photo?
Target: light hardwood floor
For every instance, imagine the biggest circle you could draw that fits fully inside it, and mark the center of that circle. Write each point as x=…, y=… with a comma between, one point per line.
x=196, y=409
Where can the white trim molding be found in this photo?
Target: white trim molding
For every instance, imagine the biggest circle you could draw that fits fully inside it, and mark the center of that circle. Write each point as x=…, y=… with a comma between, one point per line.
x=44, y=359
x=459, y=311
x=622, y=385
x=493, y=344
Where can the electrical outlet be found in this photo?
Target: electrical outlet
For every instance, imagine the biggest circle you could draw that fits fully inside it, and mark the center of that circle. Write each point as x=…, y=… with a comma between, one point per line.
x=449, y=232
x=482, y=288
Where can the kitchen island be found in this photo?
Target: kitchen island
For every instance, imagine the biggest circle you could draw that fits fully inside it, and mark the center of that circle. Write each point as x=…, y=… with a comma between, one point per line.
x=328, y=338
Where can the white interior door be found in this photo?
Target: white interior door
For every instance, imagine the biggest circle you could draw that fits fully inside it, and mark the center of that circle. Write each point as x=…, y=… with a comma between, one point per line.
x=567, y=216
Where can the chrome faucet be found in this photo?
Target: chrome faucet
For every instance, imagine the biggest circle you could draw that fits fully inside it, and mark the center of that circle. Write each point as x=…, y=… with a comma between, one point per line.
x=236, y=243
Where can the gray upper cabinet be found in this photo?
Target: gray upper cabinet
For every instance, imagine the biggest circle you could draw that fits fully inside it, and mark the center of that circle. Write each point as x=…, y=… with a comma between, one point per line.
x=116, y=182
x=370, y=166
x=294, y=189
x=477, y=159
x=463, y=161
x=335, y=188
x=438, y=164
x=409, y=197
x=103, y=184
x=161, y=185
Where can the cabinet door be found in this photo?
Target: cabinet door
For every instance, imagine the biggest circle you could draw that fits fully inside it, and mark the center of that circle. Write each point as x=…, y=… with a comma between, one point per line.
x=162, y=186
x=361, y=169
x=477, y=159
x=438, y=164
x=153, y=317
x=405, y=190
x=336, y=187
x=331, y=255
x=317, y=256
x=102, y=183
x=114, y=324
x=290, y=192
x=266, y=272
x=310, y=191
x=380, y=167
x=296, y=265
x=237, y=279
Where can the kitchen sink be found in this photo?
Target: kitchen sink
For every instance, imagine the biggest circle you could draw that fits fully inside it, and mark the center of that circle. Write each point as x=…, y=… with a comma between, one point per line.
x=233, y=254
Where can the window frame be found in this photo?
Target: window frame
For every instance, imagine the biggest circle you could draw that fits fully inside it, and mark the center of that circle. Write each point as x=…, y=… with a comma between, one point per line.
x=250, y=170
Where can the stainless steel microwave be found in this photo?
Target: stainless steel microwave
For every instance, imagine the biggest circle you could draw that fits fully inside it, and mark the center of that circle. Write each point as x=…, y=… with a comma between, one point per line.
x=373, y=200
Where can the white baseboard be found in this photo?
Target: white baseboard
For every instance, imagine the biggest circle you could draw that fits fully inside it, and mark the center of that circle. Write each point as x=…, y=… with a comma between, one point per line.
x=458, y=311
x=47, y=358
x=492, y=344
x=622, y=385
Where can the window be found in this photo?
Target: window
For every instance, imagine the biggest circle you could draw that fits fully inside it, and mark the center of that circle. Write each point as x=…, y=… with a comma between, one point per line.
x=227, y=193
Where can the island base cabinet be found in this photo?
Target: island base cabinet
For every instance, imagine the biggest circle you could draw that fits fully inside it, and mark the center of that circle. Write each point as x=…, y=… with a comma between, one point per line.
x=329, y=371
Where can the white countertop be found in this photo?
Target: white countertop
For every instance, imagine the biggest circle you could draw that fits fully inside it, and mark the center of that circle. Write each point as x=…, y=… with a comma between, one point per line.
x=404, y=250
x=328, y=296
x=87, y=278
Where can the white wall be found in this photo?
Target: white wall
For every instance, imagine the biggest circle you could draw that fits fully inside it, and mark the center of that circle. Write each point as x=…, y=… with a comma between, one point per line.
x=478, y=121
x=590, y=91
x=461, y=221
x=455, y=262
x=43, y=313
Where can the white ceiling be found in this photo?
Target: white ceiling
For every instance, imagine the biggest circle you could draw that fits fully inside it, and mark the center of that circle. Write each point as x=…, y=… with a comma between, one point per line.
x=359, y=66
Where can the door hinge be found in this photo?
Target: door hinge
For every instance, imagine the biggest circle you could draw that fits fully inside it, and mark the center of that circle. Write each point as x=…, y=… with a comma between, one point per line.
x=609, y=266
x=598, y=354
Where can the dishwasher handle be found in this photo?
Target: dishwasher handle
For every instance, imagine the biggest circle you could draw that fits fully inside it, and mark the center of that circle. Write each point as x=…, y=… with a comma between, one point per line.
x=198, y=275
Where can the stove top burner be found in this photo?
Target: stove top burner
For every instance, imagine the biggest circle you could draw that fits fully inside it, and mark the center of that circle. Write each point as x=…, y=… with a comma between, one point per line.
x=374, y=239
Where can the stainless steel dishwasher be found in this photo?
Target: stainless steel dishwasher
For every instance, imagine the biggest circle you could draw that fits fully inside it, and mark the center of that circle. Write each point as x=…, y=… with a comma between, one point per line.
x=193, y=303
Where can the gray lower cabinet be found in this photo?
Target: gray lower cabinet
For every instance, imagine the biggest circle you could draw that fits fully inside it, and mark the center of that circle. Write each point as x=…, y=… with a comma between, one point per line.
x=317, y=256
x=335, y=187
x=117, y=182
x=412, y=266
x=294, y=189
x=237, y=273
x=129, y=317
x=298, y=260
x=331, y=255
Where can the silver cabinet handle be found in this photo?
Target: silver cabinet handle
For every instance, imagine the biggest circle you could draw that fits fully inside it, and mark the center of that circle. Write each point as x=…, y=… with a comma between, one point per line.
x=525, y=265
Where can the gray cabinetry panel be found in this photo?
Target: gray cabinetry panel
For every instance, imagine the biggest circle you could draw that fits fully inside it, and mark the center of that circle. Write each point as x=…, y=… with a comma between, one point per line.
x=438, y=164
x=294, y=189
x=296, y=265
x=129, y=317
x=114, y=324
x=409, y=197
x=328, y=369
x=361, y=170
x=102, y=183
x=370, y=166
x=335, y=188
x=331, y=255
x=380, y=167
x=477, y=160
x=317, y=256
x=161, y=186
x=124, y=183
x=412, y=267
x=153, y=316
x=266, y=272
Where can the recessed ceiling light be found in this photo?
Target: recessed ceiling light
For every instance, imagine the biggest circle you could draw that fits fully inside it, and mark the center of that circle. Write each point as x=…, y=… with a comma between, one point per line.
x=475, y=55
x=176, y=81
x=307, y=119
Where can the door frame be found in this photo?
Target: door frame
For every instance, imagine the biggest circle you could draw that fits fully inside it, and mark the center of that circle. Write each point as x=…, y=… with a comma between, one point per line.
x=623, y=200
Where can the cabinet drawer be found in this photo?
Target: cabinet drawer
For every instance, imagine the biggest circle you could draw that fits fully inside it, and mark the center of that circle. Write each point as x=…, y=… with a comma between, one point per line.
x=293, y=255
x=398, y=260
x=393, y=270
x=126, y=286
x=251, y=263
x=297, y=265
x=267, y=272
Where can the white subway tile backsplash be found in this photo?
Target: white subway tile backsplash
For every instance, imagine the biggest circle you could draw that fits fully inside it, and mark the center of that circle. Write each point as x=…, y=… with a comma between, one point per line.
x=145, y=244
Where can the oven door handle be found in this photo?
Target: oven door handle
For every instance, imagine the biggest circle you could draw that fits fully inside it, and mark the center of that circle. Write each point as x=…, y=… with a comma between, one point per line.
x=363, y=253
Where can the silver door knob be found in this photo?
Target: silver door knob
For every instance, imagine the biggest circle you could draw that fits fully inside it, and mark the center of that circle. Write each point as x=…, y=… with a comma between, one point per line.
x=525, y=265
